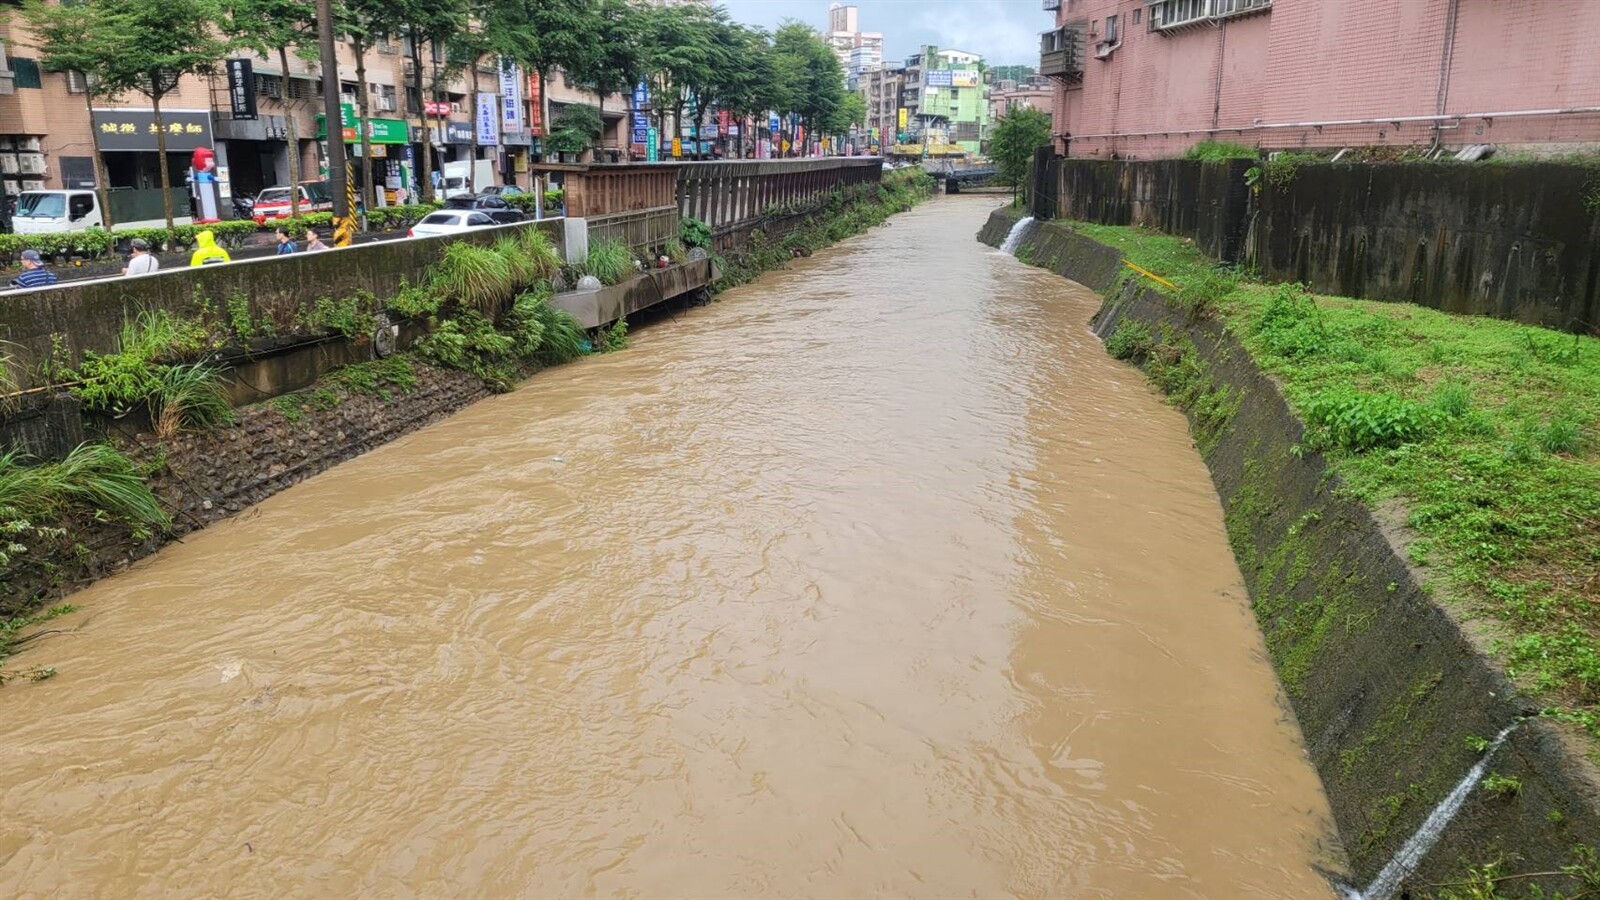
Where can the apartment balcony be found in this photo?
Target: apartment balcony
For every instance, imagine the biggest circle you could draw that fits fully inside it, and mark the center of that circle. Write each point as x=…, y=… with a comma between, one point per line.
x=1061, y=54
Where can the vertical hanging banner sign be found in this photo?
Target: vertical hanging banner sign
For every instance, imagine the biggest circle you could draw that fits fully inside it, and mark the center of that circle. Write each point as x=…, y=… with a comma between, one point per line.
x=510, y=95
x=241, y=88
x=535, y=105
x=488, y=120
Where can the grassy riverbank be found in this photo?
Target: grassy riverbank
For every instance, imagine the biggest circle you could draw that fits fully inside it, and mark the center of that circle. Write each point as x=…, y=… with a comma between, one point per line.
x=1478, y=438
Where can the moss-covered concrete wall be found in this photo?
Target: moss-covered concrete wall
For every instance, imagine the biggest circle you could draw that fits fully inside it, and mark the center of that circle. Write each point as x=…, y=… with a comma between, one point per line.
x=1387, y=686
x=88, y=315
x=1515, y=241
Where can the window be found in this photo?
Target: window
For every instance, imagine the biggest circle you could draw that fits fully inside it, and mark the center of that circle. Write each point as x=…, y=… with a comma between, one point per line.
x=26, y=71
x=305, y=88
x=1137, y=12
x=1175, y=13
x=479, y=219
x=76, y=82
x=1111, y=30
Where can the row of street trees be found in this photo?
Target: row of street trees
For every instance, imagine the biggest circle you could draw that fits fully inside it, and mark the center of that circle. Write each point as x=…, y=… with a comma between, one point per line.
x=694, y=58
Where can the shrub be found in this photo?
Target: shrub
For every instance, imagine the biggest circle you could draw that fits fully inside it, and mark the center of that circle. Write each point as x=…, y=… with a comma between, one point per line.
x=1358, y=421
x=563, y=339
x=93, y=476
x=1291, y=324
x=694, y=233
x=614, y=336
x=610, y=261
x=475, y=277
x=354, y=317
x=470, y=343
x=524, y=324
x=1202, y=296
x=188, y=396
x=415, y=301
x=1562, y=435
x=1131, y=341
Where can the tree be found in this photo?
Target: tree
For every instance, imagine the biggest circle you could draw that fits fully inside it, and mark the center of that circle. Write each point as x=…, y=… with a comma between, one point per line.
x=812, y=79
x=424, y=23
x=266, y=25
x=579, y=127
x=852, y=112
x=617, y=61
x=748, y=86
x=678, y=54
x=1017, y=135
x=133, y=45
x=544, y=35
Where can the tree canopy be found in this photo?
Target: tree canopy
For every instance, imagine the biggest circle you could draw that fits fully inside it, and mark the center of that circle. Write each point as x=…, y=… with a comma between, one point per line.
x=1017, y=135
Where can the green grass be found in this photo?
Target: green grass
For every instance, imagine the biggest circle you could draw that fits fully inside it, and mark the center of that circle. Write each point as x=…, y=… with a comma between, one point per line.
x=1485, y=433
x=610, y=261
x=1212, y=151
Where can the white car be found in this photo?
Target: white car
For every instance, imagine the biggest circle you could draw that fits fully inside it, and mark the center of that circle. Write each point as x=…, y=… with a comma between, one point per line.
x=450, y=221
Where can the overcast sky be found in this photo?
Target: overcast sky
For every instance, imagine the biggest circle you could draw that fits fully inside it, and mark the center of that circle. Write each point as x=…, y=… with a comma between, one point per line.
x=1006, y=32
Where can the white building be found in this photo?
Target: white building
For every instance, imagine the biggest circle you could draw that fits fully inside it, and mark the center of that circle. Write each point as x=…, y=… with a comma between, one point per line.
x=857, y=50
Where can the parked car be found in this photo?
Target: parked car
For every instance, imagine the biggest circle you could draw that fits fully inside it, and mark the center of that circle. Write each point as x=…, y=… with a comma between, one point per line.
x=504, y=190
x=273, y=203
x=452, y=221
x=496, y=207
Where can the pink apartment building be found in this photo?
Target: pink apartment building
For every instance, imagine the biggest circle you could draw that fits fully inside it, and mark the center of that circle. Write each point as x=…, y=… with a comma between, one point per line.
x=1150, y=78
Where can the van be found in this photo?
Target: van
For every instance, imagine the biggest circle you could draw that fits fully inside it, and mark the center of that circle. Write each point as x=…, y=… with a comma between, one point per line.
x=52, y=212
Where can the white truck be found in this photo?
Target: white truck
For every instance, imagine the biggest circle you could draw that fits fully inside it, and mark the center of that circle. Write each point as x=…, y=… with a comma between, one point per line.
x=51, y=212
x=468, y=176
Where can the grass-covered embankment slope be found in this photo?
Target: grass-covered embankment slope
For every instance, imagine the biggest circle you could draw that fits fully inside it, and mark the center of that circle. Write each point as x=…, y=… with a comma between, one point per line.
x=1396, y=697
x=1480, y=438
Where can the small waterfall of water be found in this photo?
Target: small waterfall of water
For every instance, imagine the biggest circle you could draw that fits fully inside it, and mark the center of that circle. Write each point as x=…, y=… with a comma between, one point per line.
x=1411, y=854
x=1014, y=237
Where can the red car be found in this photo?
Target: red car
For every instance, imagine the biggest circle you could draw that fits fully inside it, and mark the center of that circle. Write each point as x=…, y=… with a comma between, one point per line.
x=273, y=203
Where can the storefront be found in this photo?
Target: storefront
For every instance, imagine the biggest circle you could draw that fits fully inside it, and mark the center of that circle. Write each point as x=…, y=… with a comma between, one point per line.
x=128, y=142
x=453, y=142
x=389, y=169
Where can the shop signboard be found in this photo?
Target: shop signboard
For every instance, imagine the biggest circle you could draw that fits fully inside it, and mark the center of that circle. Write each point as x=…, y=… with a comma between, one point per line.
x=652, y=147
x=641, y=96
x=902, y=118
x=510, y=95
x=773, y=124
x=241, y=89
x=135, y=129
x=641, y=127
x=488, y=120
x=723, y=120
x=937, y=78
x=435, y=108
x=535, y=105
x=964, y=78
x=379, y=131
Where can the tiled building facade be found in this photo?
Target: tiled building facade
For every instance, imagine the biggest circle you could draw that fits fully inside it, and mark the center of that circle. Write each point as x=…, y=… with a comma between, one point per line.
x=1149, y=78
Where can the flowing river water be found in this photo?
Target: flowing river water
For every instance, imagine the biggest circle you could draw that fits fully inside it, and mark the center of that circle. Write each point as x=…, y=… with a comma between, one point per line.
x=876, y=577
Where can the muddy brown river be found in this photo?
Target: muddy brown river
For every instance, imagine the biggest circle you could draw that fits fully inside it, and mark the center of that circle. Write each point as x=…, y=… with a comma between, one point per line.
x=875, y=578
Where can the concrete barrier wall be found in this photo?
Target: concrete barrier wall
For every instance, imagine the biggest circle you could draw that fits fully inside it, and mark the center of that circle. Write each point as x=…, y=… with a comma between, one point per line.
x=726, y=194
x=1514, y=241
x=88, y=315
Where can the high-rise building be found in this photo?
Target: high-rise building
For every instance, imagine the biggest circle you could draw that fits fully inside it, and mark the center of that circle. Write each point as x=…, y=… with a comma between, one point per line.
x=842, y=17
x=945, y=98
x=856, y=49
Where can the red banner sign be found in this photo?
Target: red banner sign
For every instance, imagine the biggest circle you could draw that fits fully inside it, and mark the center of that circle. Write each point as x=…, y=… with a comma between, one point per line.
x=535, y=105
x=723, y=120
x=436, y=109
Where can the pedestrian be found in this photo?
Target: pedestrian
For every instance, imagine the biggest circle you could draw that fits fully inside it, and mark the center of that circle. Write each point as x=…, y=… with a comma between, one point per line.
x=285, y=242
x=313, y=241
x=206, y=251
x=140, y=261
x=34, y=274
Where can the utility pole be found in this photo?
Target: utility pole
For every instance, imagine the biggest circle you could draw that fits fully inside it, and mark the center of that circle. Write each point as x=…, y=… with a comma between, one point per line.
x=338, y=175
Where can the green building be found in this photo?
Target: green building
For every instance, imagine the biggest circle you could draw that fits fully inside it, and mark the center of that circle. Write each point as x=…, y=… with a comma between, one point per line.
x=951, y=106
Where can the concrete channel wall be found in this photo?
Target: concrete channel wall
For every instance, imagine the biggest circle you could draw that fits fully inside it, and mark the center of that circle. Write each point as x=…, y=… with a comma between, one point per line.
x=1388, y=691
x=1515, y=241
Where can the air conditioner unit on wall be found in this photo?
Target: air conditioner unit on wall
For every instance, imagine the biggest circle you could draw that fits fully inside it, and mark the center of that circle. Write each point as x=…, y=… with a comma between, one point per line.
x=31, y=164
x=8, y=164
x=386, y=104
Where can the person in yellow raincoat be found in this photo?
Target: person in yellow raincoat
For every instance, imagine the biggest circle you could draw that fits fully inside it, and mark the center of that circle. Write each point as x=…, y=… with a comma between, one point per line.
x=206, y=250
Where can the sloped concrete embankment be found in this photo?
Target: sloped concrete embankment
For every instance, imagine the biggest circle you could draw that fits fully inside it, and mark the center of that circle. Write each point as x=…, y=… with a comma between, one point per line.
x=1389, y=689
